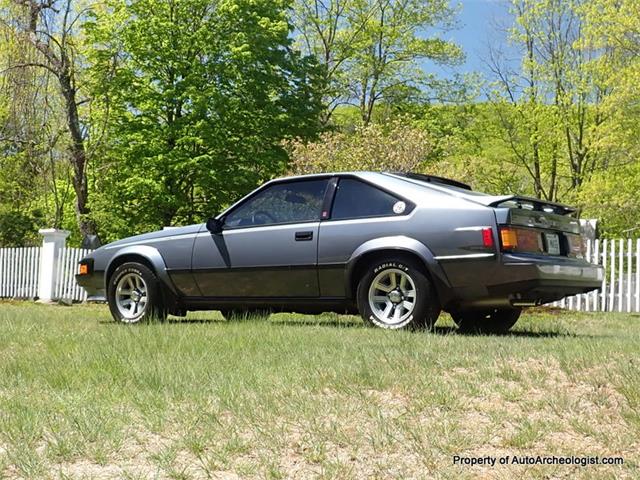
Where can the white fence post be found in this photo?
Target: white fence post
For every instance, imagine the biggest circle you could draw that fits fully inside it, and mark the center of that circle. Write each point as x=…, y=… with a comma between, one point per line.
x=52, y=244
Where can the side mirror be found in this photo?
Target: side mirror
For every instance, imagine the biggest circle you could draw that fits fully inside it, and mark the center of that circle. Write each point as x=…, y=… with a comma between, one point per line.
x=214, y=225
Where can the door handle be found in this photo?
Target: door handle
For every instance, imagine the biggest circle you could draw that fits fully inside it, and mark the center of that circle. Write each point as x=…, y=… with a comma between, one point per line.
x=304, y=236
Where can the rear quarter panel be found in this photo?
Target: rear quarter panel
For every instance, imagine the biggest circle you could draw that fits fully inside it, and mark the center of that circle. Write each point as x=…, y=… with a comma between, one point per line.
x=445, y=225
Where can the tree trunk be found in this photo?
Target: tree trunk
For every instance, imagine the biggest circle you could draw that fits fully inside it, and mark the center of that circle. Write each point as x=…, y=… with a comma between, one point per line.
x=78, y=155
x=60, y=65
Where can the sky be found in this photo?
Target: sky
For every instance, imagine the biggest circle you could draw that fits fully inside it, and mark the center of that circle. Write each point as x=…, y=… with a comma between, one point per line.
x=479, y=23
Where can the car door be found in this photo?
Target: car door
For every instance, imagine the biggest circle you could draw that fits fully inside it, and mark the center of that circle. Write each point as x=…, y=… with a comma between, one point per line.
x=268, y=246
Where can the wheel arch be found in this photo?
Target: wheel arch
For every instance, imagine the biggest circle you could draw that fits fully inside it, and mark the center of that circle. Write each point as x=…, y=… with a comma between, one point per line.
x=380, y=248
x=145, y=255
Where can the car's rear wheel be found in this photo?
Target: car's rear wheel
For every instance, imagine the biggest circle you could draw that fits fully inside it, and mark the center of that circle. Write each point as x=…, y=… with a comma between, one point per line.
x=493, y=320
x=396, y=293
x=134, y=294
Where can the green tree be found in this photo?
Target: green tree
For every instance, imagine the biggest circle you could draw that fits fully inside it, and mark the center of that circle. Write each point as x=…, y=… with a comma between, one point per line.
x=199, y=95
x=34, y=166
x=613, y=26
x=49, y=29
x=396, y=146
x=612, y=197
x=551, y=109
x=372, y=50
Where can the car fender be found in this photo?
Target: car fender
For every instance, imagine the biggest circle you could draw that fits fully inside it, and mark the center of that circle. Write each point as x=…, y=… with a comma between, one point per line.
x=401, y=243
x=152, y=255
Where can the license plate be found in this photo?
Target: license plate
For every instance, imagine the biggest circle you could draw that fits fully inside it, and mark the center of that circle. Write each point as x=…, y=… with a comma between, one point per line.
x=553, y=243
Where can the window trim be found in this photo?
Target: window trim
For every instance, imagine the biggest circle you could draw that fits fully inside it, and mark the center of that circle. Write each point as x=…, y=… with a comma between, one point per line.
x=329, y=195
x=410, y=205
x=233, y=208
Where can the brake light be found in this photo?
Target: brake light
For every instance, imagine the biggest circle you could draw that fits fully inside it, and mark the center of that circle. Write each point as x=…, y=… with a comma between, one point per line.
x=487, y=238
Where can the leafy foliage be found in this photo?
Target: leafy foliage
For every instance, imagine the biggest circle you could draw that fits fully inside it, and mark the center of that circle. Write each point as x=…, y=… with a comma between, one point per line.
x=200, y=95
x=612, y=197
x=396, y=146
x=18, y=229
x=171, y=110
x=370, y=50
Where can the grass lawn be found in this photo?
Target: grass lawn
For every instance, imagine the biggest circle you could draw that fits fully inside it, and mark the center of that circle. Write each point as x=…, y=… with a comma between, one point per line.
x=312, y=397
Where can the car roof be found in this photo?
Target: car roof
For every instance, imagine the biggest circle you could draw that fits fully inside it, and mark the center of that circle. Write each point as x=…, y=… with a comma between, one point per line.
x=390, y=179
x=411, y=189
x=370, y=173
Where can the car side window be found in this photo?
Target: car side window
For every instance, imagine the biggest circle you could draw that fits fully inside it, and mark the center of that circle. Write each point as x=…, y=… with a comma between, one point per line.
x=356, y=199
x=289, y=202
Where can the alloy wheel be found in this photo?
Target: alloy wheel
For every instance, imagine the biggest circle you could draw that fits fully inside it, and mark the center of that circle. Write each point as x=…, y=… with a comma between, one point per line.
x=392, y=296
x=131, y=297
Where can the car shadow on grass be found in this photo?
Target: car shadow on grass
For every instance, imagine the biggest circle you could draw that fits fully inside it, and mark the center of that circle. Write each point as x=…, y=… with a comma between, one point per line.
x=307, y=321
x=168, y=321
x=437, y=330
x=524, y=334
x=185, y=321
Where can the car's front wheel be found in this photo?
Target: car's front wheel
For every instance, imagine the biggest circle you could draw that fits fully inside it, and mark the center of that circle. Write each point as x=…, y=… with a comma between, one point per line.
x=396, y=293
x=493, y=320
x=134, y=294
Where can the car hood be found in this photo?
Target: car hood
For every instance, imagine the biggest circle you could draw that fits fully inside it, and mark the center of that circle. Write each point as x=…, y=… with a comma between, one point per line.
x=169, y=232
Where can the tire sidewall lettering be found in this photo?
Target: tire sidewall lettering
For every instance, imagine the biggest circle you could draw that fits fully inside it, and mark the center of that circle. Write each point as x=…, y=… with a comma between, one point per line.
x=116, y=278
x=377, y=322
x=147, y=277
x=376, y=270
x=387, y=265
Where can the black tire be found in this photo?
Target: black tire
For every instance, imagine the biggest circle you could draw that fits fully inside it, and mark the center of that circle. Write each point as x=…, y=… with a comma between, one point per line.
x=153, y=308
x=493, y=320
x=426, y=306
x=235, y=315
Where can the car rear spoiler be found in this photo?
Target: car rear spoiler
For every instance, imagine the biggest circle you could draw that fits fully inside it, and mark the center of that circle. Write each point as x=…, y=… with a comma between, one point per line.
x=524, y=203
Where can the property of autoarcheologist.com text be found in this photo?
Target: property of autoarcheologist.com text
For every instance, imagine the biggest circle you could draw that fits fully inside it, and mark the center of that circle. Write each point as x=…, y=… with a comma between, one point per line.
x=491, y=461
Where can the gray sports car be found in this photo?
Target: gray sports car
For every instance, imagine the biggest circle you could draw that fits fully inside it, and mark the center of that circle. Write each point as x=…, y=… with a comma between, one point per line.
x=396, y=247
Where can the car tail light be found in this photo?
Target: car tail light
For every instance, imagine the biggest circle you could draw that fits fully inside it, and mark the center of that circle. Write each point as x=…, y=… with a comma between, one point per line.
x=577, y=246
x=521, y=240
x=509, y=238
x=487, y=238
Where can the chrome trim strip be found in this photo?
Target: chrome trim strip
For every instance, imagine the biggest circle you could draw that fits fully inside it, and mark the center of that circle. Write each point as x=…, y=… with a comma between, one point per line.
x=465, y=257
x=472, y=229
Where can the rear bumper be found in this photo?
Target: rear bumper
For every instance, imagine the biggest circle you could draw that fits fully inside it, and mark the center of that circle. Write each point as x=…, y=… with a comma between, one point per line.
x=533, y=283
x=528, y=280
x=563, y=271
x=93, y=283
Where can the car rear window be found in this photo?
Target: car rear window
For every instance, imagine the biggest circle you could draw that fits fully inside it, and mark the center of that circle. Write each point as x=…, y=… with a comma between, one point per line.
x=356, y=199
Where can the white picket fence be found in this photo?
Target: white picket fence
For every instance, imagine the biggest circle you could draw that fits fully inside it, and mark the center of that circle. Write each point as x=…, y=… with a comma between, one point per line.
x=620, y=290
x=19, y=272
x=66, y=286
